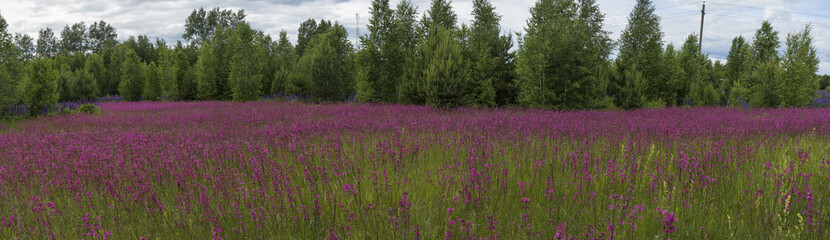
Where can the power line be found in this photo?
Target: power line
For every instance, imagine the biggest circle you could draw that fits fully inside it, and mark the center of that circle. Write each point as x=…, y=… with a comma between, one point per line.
x=769, y=9
x=823, y=25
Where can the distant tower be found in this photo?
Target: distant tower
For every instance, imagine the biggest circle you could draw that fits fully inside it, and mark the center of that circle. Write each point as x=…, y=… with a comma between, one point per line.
x=357, y=30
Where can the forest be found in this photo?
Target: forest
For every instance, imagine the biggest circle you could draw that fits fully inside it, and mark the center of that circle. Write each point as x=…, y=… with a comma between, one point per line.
x=562, y=61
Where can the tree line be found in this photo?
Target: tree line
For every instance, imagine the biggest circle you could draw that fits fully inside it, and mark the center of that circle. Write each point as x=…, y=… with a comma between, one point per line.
x=562, y=61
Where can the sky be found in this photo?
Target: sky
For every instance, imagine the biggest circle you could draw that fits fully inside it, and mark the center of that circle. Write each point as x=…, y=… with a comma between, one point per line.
x=725, y=19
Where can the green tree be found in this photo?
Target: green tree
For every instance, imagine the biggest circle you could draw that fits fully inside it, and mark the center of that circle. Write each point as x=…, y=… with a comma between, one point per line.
x=95, y=67
x=437, y=75
x=325, y=71
x=73, y=39
x=766, y=43
x=200, y=25
x=492, y=62
x=799, y=81
x=101, y=35
x=824, y=82
x=40, y=89
x=739, y=63
x=26, y=47
x=152, y=83
x=766, y=72
x=10, y=68
x=84, y=87
x=675, y=75
x=186, y=82
x=66, y=81
x=47, y=44
x=131, y=86
x=380, y=59
x=213, y=68
x=248, y=57
x=439, y=15
x=693, y=85
x=561, y=55
x=308, y=31
x=284, y=59
x=113, y=59
x=168, y=71
x=641, y=45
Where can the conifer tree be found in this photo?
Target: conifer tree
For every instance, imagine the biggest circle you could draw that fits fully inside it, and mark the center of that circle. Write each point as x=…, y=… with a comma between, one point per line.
x=641, y=46
x=491, y=59
x=324, y=72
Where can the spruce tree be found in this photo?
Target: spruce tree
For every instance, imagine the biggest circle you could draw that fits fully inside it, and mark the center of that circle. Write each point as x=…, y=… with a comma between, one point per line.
x=84, y=87
x=641, y=46
x=131, y=86
x=324, y=72
x=491, y=59
x=437, y=75
x=376, y=76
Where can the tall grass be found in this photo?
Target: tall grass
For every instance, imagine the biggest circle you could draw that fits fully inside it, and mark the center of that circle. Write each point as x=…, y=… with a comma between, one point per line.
x=281, y=170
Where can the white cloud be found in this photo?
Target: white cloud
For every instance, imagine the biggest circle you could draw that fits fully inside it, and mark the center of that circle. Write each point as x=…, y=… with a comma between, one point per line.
x=165, y=18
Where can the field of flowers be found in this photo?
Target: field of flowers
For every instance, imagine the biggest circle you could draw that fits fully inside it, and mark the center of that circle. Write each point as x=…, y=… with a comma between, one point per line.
x=276, y=170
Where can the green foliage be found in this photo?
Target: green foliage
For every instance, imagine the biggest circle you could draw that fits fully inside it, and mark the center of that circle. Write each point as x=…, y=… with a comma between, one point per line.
x=152, y=83
x=762, y=84
x=560, y=58
x=47, y=44
x=113, y=59
x=168, y=71
x=89, y=109
x=739, y=62
x=25, y=46
x=101, y=36
x=284, y=59
x=84, y=86
x=739, y=95
x=200, y=24
x=438, y=75
x=40, y=89
x=380, y=60
x=439, y=15
x=73, y=39
x=131, y=87
x=641, y=45
x=247, y=66
x=66, y=81
x=213, y=68
x=10, y=68
x=492, y=63
x=94, y=66
x=308, y=31
x=798, y=82
x=325, y=71
x=765, y=44
x=632, y=93
x=824, y=82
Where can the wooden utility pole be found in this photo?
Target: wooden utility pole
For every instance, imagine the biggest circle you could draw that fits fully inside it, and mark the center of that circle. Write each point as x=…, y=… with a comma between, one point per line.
x=702, y=15
x=357, y=30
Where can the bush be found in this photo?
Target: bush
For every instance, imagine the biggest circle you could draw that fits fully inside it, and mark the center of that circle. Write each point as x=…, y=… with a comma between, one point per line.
x=89, y=109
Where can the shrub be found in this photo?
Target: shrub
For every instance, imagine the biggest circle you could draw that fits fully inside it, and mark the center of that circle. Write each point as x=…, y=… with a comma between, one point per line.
x=89, y=109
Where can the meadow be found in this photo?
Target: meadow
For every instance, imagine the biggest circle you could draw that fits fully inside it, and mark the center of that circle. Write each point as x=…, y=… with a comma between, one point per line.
x=279, y=170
